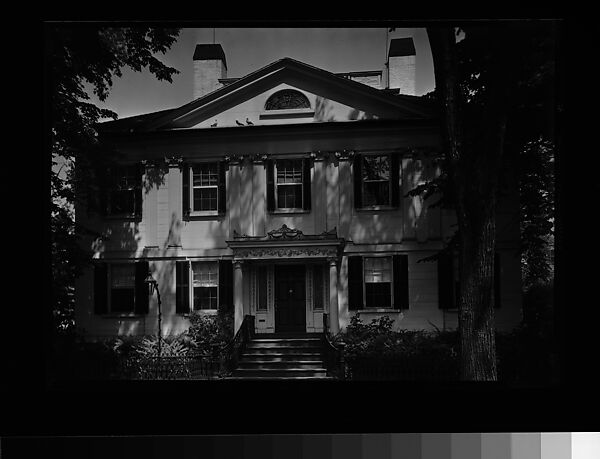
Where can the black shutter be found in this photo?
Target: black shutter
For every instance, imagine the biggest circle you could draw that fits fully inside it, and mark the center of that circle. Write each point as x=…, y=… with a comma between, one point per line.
x=270, y=185
x=355, y=283
x=226, y=285
x=138, y=190
x=306, y=183
x=182, y=287
x=395, y=176
x=357, y=170
x=104, y=182
x=400, y=269
x=445, y=281
x=141, y=288
x=100, y=287
x=222, y=187
x=497, y=271
x=186, y=191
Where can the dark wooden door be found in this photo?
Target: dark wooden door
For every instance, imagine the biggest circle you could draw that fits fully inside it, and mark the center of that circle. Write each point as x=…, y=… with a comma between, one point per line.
x=290, y=299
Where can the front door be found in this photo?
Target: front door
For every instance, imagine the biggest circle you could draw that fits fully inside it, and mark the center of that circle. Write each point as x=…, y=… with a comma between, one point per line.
x=290, y=299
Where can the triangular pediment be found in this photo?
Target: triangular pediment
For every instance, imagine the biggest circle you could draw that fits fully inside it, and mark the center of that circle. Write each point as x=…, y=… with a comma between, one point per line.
x=332, y=98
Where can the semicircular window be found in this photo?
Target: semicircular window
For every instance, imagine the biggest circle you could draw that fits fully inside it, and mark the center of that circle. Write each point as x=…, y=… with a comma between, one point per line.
x=287, y=99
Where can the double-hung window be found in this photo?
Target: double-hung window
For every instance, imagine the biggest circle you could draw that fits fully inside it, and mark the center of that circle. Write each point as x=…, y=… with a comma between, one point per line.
x=206, y=285
x=376, y=189
x=205, y=187
x=124, y=193
x=376, y=181
x=289, y=184
x=378, y=282
x=122, y=288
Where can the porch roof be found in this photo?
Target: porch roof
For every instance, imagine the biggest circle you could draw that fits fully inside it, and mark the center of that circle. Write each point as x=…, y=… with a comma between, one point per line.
x=286, y=242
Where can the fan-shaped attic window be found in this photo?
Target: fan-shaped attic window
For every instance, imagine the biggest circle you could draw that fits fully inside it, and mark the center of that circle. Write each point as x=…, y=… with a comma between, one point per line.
x=287, y=99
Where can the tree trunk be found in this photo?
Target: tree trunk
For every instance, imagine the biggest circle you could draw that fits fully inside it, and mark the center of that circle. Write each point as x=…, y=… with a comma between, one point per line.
x=474, y=173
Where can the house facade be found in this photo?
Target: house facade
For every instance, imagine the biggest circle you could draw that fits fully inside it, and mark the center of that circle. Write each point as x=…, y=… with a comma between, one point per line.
x=281, y=195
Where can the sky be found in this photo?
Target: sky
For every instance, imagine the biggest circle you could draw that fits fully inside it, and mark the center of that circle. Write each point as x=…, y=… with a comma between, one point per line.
x=249, y=49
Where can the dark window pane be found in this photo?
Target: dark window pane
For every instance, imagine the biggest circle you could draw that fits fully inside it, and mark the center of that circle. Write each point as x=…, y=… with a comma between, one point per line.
x=122, y=300
x=378, y=295
x=376, y=193
x=376, y=168
x=289, y=171
x=205, y=198
x=206, y=174
x=289, y=196
x=122, y=201
x=205, y=298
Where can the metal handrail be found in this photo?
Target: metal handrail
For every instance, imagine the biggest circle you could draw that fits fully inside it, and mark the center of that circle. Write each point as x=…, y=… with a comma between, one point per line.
x=231, y=352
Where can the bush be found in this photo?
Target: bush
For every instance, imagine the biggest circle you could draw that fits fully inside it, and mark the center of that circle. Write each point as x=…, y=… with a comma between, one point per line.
x=405, y=354
x=210, y=334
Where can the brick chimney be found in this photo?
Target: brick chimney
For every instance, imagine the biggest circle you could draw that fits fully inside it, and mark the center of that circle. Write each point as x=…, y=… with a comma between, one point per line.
x=401, y=65
x=209, y=66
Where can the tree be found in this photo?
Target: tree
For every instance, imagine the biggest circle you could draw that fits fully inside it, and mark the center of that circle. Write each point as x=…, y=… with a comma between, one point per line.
x=76, y=55
x=483, y=83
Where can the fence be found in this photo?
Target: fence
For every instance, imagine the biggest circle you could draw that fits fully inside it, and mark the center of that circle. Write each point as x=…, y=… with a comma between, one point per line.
x=187, y=367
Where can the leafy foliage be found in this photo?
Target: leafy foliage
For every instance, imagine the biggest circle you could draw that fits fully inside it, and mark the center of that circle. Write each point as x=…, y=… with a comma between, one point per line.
x=403, y=354
x=210, y=333
x=76, y=56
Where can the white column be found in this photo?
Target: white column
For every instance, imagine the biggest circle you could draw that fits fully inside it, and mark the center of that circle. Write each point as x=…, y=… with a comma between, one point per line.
x=334, y=324
x=238, y=292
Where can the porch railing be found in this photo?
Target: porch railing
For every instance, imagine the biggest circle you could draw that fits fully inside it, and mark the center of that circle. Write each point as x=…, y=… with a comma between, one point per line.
x=231, y=353
x=333, y=354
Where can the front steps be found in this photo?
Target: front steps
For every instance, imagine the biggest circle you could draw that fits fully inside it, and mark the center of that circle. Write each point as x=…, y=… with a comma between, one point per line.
x=282, y=357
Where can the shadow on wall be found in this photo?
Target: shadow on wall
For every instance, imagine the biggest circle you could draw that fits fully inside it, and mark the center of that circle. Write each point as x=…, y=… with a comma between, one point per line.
x=155, y=176
x=323, y=110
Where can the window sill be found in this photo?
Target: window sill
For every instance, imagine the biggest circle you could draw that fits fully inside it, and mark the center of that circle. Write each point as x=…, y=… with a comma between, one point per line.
x=379, y=310
x=289, y=211
x=202, y=312
x=124, y=217
x=377, y=209
x=208, y=215
x=121, y=316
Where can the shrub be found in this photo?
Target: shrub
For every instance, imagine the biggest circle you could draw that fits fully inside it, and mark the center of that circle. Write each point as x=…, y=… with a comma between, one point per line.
x=209, y=333
x=405, y=354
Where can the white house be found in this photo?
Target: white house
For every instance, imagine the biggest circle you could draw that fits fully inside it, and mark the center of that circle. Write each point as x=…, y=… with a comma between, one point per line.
x=282, y=195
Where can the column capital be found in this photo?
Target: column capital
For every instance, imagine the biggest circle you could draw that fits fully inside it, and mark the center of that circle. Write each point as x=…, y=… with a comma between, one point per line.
x=332, y=261
x=237, y=264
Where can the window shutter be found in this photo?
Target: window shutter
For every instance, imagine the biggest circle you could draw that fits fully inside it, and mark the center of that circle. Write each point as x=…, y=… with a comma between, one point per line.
x=100, y=287
x=445, y=281
x=222, y=187
x=270, y=185
x=182, y=289
x=395, y=177
x=306, y=185
x=185, y=180
x=138, y=190
x=141, y=288
x=355, y=283
x=357, y=167
x=400, y=268
x=104, y=176
x=497, y=282
x=226, y=285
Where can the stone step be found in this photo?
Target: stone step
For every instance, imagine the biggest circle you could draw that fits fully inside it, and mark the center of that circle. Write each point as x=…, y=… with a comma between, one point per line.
x=281, y=378
x=287, y=340
x=280, y=373
x=288, y=365
x=274, y=355
x=282, y=345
